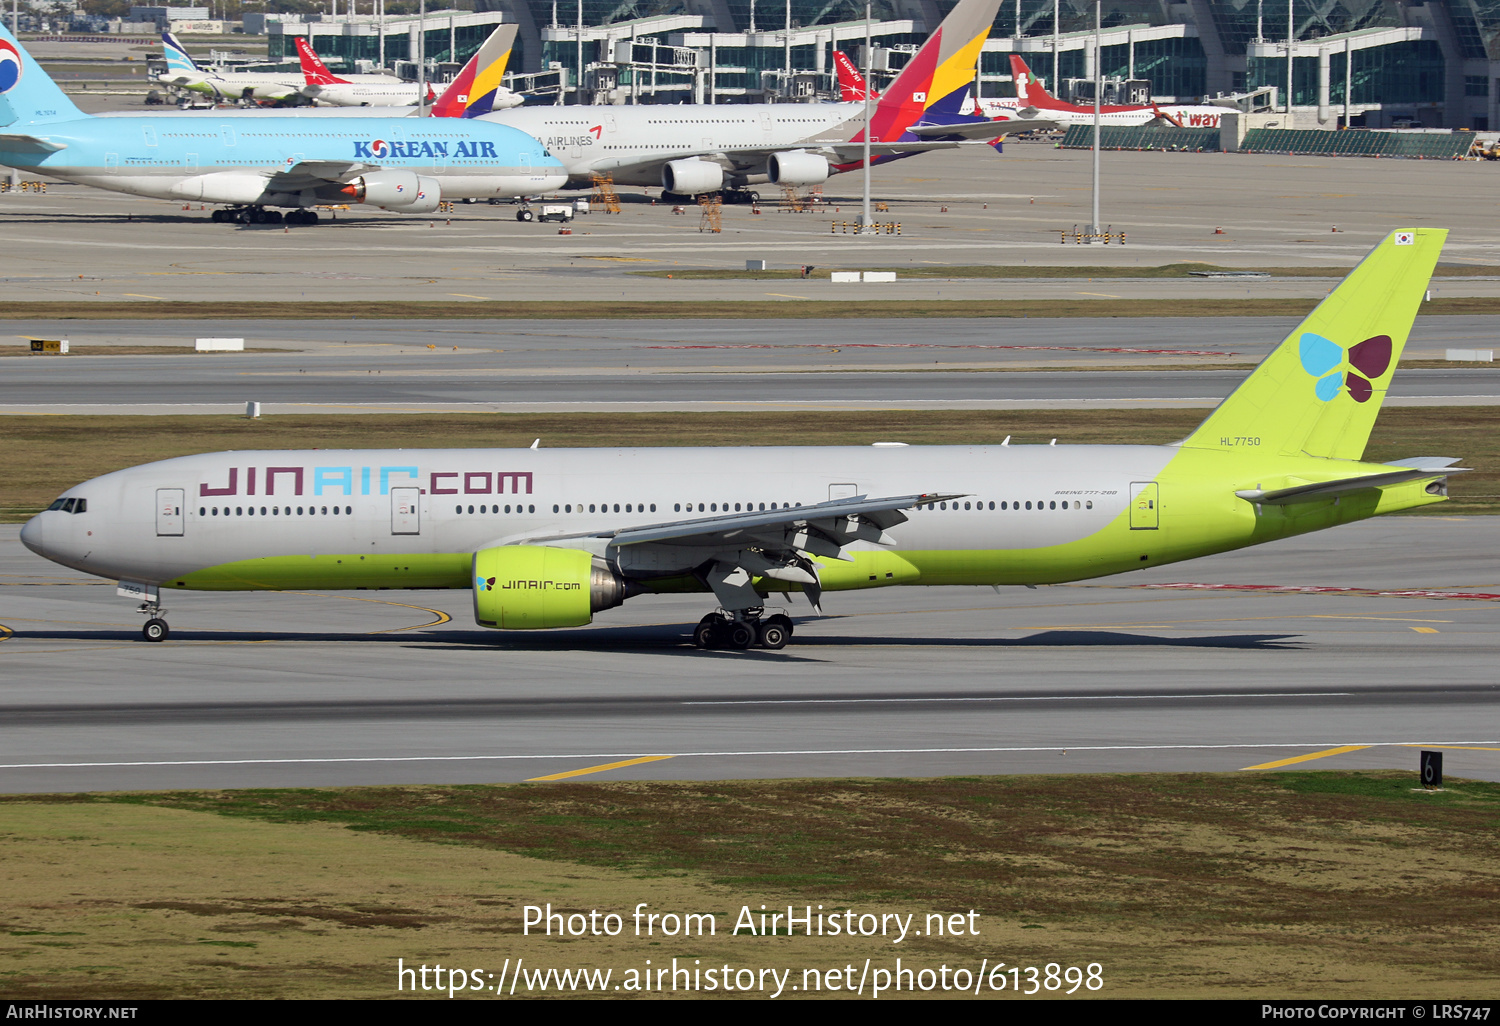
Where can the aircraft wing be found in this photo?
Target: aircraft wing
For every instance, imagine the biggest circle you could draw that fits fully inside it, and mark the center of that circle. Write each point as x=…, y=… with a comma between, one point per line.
x=748, y=528
x=729, y=551
x=1343, y=486
x=14, y=141
x=753, y=160
x=316, y=172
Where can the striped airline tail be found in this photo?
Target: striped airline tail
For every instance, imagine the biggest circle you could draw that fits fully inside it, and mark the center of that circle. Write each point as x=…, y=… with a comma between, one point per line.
x=178, y=59
x=313, y=68
x=489, y=69
x=937, y=79
x=27, y=94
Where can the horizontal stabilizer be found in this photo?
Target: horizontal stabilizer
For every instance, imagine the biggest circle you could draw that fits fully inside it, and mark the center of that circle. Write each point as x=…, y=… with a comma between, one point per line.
x=982, y=129
x=1425, y=462
x=13, y=141
x=1343, y=486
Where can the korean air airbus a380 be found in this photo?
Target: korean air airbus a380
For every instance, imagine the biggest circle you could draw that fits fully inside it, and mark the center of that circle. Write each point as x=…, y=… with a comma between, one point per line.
x=549, y=537
x=400, y=164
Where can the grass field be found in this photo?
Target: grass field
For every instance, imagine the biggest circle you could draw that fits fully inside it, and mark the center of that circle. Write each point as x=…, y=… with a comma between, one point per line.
x=144, y=309
x=49, y=454
x=1326, y=885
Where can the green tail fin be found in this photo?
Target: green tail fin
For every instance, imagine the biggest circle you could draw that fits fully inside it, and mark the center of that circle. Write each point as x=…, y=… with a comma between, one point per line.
x=1319, y=391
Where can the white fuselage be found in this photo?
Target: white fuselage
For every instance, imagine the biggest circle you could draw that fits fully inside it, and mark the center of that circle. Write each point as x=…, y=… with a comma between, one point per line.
x=1188, y=115
x=630, y=142
x=386, y=93
x=239, y=506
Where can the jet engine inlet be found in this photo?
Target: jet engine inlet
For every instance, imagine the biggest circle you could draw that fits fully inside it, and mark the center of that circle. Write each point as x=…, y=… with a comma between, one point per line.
x=797, y=168
x=692, y=177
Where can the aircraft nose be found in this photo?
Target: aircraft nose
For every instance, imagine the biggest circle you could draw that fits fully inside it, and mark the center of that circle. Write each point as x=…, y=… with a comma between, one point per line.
x=31, y=535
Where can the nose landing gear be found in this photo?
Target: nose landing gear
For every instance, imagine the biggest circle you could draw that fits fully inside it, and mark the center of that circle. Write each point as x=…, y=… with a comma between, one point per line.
x=156, y=628
x=749, y=629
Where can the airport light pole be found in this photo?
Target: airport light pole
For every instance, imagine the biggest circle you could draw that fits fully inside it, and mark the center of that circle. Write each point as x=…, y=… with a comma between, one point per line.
x=422, y=59
x=866, y=222
x=1289, y=37
x=1098, y=88
x=578, y=88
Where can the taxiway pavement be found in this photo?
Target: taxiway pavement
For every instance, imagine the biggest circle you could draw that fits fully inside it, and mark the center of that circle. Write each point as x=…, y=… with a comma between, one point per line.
x=1349, y=648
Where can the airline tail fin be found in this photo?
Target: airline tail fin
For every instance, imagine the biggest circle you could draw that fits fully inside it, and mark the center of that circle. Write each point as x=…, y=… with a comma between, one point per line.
x=851, y=83
x=27, y=94
x=1318, y=392
x=178, y=59
x=937, y=79
x=313, y=68
x=489, y=70
x=1028, y=89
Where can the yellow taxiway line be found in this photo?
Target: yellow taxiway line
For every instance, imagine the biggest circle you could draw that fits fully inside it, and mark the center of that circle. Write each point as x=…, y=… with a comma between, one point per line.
x=601, y=769
x=1304, y=758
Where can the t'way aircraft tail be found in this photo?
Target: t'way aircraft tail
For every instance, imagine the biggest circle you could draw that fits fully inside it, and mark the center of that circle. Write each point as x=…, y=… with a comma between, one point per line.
x=1029, y=91
x=475, y=89
x=1318, y=393
x=313, y=68
x=27, y=94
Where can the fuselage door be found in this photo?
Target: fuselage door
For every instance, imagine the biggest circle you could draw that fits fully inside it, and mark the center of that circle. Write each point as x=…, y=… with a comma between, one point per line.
x=1145, y=506
x=406, y=511
x=169, y=512
x=842, y=491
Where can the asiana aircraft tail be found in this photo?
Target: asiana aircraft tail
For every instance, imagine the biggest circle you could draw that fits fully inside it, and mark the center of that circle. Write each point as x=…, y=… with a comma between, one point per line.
x=548, y=538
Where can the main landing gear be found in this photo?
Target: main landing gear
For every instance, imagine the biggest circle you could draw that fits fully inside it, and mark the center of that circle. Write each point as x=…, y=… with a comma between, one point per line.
x=156, y=628
x=260, y=215
x=748, y=630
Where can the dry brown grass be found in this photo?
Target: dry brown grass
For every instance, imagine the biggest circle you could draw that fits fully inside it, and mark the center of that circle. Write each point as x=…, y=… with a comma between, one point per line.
x=1263, y=885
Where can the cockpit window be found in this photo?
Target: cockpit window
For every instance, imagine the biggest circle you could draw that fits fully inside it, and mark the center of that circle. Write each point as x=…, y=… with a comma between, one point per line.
x=81, y=506
x=58, y=504
x=70, y=505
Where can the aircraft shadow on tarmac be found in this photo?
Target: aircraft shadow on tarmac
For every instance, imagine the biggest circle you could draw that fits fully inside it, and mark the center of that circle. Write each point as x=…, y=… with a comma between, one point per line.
x=675, y=638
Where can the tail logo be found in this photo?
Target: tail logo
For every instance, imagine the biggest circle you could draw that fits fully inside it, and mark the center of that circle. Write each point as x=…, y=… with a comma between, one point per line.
x=10, y=67
x=1324, y=359
x=1406, y=238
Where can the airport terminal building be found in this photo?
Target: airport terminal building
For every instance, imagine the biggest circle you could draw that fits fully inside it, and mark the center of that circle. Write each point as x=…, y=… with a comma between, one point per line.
x=1378, y=63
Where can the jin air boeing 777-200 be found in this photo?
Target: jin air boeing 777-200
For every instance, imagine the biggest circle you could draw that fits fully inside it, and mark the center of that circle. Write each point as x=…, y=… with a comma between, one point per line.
x=549, y=537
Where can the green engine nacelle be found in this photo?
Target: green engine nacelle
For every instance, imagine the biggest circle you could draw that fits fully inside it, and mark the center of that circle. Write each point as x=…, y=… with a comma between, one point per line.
x=528, y=587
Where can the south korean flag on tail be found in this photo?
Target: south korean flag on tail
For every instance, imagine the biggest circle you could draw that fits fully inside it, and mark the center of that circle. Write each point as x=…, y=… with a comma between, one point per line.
x=1406, y=238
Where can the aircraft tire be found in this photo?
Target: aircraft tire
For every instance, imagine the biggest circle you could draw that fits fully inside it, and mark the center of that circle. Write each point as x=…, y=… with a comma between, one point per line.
x=274, y=217
x=245, y=216
x=771, y=634
x=705, y=634
x=525, y=215
x=741, y=635
x=785, y=622
x=155, y=630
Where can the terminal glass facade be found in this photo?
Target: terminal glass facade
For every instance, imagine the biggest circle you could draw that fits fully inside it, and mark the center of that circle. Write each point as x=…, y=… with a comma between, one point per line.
x=1176, y=66
x=1411, y=72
